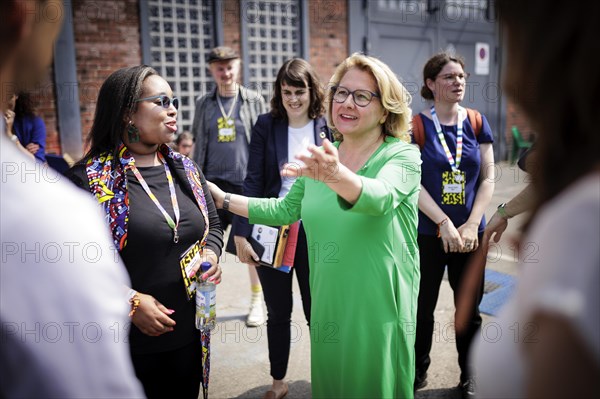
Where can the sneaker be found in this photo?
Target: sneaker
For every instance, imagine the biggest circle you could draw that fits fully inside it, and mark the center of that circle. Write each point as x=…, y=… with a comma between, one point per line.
x=256, y=316
x=468, y=388
x=420, y=381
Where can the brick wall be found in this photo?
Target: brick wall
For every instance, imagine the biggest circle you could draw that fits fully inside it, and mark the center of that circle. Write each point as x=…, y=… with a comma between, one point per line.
x=44, y=101
x=328, y=36
x=107, y=37
x=328, y=45
x=231, y=23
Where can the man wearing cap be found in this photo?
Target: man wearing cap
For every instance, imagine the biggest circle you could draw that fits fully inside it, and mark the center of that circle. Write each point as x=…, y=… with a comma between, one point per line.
x=222, y=127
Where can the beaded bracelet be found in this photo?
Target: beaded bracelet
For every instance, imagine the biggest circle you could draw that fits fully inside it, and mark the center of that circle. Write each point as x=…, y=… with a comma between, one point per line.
x=135, y=303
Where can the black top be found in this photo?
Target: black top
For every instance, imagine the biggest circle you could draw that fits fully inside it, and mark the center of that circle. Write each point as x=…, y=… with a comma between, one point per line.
x=152, y=258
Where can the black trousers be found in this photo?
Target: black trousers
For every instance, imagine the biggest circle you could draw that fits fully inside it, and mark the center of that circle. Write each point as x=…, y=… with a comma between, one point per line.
x=433, y=262
x=165, y=373
x=277, y=289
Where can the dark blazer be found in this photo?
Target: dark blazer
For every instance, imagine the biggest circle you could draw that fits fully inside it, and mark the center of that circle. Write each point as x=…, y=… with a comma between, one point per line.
x=268, y=153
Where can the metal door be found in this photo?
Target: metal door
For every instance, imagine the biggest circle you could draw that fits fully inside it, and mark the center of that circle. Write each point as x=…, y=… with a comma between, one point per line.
x=404, y=34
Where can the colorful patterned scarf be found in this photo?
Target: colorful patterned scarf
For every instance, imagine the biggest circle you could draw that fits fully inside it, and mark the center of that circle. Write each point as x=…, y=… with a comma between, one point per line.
x=108, y=183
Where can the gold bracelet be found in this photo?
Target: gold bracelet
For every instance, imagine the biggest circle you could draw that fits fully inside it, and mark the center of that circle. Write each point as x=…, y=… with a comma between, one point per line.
x=135, y=303
x=439, y=226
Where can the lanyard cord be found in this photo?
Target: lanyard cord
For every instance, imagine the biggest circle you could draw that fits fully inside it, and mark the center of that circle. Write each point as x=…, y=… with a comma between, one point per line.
x=172, y=224
x=459, y=137
x=228, y=115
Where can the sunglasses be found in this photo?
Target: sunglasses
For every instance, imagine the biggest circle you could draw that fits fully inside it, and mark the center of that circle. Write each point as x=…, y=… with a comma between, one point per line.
x=165, y=101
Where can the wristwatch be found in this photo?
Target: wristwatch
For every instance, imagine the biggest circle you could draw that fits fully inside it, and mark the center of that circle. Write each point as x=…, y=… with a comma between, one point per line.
x=226, y=201
x=501, y=210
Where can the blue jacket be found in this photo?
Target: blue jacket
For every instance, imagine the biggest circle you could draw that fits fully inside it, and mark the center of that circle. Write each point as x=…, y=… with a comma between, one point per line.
x=268, y=153
x=31, y=129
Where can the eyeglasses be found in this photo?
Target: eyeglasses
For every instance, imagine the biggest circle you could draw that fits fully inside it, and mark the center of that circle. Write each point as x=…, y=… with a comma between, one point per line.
x=361, y=97
x=451, y=77
x=165, y=101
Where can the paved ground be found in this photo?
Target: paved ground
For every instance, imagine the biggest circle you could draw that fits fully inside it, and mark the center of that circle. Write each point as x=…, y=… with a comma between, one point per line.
x=240, y=367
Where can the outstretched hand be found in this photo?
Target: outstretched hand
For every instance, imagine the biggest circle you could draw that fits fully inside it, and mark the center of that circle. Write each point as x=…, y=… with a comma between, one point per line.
x=217, y=194
x=322, y=164
x=495, y=228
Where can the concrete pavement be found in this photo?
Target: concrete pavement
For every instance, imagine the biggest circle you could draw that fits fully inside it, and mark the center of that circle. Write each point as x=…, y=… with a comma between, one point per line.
x=240, y=364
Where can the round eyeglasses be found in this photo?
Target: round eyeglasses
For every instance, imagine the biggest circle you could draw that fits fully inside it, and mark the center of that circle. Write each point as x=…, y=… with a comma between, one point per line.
x=165, y=101
x=361, y=97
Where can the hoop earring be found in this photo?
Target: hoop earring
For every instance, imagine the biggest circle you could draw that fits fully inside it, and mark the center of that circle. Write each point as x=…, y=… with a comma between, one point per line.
x=133, y=133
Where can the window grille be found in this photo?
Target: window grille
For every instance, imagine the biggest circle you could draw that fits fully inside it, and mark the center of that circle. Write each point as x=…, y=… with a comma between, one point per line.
x=273, y=31
x=182, y=32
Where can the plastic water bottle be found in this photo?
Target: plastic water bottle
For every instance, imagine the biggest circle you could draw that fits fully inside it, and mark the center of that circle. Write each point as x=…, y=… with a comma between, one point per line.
x=206, y=301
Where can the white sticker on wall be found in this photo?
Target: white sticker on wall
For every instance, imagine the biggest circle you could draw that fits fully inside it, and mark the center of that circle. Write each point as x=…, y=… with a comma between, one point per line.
x=482, y=59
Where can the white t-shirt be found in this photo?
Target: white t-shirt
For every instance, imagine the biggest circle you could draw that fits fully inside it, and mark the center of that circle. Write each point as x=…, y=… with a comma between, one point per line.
x=560, y=274
x=63, y=307
x=298, y=140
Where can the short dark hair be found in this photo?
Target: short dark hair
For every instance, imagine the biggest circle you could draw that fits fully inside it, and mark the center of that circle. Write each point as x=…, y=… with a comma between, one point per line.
x=432, y=68
x=184, y=136
x=24, y=105
x=116, y=101
x=298, y=73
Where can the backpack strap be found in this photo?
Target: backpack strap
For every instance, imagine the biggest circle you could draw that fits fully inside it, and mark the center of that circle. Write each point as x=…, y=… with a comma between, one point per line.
x=418, y=130
x=475, y=120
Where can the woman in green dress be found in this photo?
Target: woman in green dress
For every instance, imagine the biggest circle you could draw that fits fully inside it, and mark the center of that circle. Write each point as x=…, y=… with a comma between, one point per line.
x=357, y=199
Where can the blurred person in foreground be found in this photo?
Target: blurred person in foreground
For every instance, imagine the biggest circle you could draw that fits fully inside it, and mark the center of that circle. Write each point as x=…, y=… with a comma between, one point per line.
x=223, y=121
x=61, y=306
x=157, y=206
x=295, y=121
x=549, y=346
x=358, y=200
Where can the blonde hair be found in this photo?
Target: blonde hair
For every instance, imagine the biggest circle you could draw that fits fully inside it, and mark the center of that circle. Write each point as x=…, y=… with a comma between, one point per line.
x=394, y=96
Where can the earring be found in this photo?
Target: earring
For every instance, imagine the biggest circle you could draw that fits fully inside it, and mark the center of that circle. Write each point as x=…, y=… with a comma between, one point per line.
x=133, y=133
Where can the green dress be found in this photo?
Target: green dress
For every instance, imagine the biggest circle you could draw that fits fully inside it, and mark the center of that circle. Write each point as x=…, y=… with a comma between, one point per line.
x=364, y=274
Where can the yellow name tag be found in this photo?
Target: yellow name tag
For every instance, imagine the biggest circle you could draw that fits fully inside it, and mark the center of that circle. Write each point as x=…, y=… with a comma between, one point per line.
x=187, y=261
x=453, y=188
x=226, y=130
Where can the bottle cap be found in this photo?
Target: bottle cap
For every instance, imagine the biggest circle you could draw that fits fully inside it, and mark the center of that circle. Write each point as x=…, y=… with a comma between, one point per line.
x=204, y=266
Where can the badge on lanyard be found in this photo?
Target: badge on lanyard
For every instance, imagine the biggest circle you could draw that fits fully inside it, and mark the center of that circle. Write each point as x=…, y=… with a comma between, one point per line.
x=453, y=182
x=226, y=124
x=453, y=188
x=226, y=130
